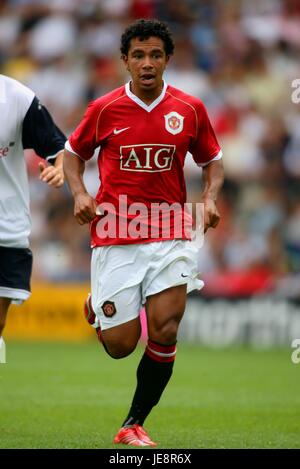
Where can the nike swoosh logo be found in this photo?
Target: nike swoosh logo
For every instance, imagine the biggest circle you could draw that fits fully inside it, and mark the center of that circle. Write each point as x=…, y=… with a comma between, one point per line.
x=118, y=131
x=182, y=275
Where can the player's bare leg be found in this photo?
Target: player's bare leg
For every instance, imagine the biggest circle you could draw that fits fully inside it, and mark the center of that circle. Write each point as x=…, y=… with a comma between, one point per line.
x=164, y=313
x=118, y=341
x=4, y=305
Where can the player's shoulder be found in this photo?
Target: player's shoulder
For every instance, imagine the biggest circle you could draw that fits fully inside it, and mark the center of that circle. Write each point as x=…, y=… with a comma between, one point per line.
x=110, y=98
x=186, y=99
x=12, y=89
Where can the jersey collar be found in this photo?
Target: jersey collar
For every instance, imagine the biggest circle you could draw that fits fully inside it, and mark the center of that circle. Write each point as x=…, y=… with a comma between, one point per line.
x=141, y=103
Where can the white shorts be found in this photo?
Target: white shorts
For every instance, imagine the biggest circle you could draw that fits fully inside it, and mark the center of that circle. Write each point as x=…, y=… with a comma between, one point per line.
x=123, y=276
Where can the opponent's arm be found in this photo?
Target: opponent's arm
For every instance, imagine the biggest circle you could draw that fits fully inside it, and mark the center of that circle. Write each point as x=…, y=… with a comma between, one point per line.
x=53, y=175
x=213, y=178
x=84, y=205
x=40, y=133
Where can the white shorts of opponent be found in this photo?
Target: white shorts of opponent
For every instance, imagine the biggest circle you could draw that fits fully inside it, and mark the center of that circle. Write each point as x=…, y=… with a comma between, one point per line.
x=123, y=276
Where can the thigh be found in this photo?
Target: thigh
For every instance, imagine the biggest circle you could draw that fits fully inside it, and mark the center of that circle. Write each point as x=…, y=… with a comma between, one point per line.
x=120, y=321
x=174, y=263
x=116, y=276
x=165, y=307
x=123, y=338
x=4, y=305
x=118, y=308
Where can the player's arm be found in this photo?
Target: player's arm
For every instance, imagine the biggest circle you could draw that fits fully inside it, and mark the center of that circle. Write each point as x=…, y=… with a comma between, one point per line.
x=207, y=153
x=213, y=178
x=84, y=205
x=53, y=175
x=40, y=133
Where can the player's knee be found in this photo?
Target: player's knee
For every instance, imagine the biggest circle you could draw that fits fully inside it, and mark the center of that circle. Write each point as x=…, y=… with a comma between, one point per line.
x=167, y=333
x=120, y=341
x=120, y=349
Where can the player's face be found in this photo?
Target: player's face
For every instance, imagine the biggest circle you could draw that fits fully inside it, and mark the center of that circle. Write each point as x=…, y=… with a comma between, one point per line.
x=146, y=62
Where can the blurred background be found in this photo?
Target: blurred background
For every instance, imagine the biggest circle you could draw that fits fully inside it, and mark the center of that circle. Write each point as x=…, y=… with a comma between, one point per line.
x=240, y=58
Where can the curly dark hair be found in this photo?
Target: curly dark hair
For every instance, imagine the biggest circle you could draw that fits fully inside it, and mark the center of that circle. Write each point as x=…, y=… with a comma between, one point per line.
x=143, y=29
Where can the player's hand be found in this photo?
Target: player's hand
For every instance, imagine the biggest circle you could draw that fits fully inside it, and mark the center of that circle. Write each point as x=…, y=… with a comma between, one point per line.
x=52, y=175
x=85, y=208
x=211, y=214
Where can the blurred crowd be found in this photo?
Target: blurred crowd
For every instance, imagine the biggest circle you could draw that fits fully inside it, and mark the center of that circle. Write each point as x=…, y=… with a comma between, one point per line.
x=240, y=57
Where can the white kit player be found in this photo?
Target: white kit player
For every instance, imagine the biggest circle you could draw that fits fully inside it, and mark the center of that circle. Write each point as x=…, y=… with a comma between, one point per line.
x=24, y=124
x=144, y=130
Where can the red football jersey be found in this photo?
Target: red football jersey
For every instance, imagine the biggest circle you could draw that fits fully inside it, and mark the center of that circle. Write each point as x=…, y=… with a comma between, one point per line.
x=141, y=160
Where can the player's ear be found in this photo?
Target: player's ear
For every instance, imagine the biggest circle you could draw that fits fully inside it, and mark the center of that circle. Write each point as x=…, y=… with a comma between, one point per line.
x=125, y=61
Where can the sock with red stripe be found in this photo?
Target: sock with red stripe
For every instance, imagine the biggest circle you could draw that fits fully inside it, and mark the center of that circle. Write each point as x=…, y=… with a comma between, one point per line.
x=153, y=374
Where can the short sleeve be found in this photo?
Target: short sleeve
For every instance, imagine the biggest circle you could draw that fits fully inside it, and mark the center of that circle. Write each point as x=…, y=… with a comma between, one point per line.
x=40, y=132
x=205, y=147
x=83, y=140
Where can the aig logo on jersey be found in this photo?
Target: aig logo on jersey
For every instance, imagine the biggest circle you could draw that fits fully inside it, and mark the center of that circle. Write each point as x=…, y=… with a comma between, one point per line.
x=152, y=157
x=174, y=122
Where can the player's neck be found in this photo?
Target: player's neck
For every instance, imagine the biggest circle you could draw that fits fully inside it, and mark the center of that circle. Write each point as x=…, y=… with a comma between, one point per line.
x=147, y=96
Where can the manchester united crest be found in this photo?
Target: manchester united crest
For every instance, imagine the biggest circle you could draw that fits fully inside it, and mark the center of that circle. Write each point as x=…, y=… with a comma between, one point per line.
x=174, y=122
x=109, y=308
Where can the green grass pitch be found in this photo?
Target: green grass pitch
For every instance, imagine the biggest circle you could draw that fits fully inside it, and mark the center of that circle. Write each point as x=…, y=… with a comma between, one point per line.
x=55, y=395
